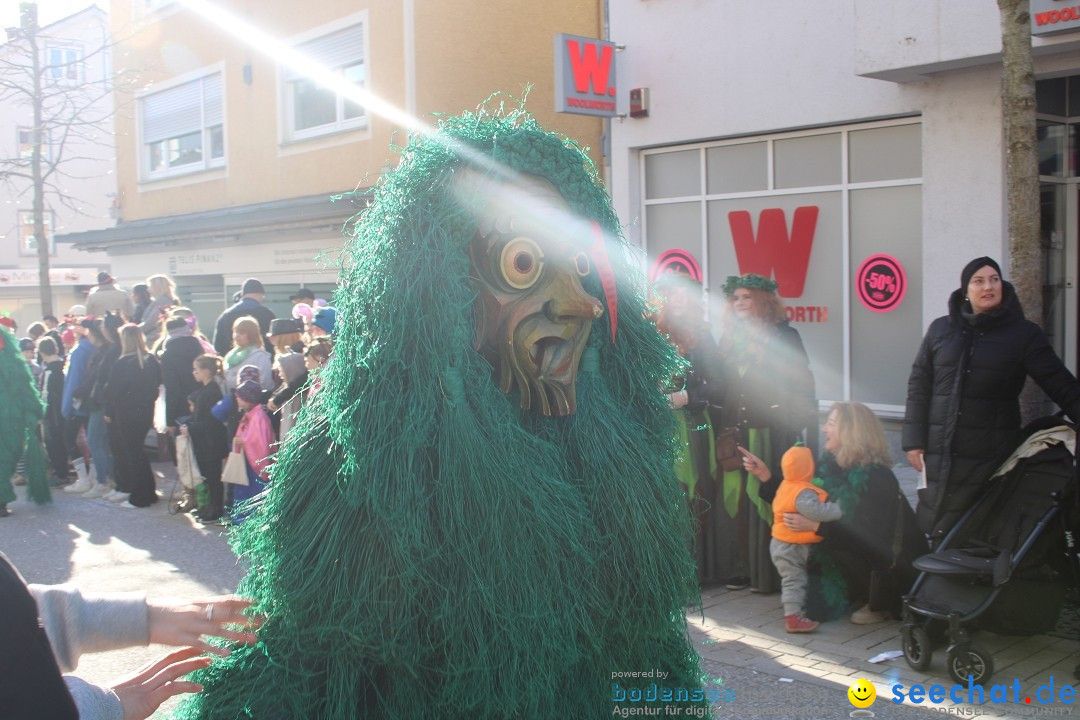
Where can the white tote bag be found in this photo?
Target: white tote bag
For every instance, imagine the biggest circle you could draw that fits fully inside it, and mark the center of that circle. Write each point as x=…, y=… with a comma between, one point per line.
x=186, y=466
x=235, y=471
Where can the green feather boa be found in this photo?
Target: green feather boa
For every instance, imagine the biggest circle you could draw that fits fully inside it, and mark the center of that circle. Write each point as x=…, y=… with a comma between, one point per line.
x=845, y=487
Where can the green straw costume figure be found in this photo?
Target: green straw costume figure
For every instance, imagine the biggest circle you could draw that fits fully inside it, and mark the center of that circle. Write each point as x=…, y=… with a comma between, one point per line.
x=20, y=414
x=476, y=514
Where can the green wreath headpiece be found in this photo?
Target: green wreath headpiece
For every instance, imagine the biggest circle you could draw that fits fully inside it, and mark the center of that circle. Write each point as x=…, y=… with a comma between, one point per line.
x=749, y=280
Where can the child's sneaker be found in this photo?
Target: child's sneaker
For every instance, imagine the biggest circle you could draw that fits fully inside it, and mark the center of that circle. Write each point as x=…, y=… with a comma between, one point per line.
x=799, y=623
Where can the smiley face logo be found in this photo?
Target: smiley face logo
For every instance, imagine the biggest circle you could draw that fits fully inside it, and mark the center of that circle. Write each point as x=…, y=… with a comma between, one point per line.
x=862, y=694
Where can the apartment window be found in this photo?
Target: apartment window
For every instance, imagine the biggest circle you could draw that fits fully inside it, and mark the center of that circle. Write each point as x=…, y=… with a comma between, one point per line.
x=27, y=240
x=64, y=65
x=312, y=109
x=182, y=128
x=26, y=145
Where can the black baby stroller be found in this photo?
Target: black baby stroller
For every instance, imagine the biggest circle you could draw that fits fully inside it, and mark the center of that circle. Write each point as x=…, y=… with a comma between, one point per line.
x=1005, y=565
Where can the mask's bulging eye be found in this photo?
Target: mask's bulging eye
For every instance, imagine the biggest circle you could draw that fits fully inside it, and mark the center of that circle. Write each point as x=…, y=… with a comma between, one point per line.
x=520, y=262
x=581, y=264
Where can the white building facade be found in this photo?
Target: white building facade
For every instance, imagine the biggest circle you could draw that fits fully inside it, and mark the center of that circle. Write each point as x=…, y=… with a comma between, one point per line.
x=853, y=150
x=77, y=136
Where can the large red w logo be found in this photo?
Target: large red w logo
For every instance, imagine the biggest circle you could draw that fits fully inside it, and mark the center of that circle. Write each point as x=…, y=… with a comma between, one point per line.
x=772, y=252
x=591, y=65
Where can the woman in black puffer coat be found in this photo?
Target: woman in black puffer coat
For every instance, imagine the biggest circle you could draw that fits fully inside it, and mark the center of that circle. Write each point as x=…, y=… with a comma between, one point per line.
x=963, y=410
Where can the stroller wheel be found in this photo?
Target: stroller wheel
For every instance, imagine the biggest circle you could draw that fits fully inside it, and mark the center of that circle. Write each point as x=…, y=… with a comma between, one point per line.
x=917, y=647
x=976, y=662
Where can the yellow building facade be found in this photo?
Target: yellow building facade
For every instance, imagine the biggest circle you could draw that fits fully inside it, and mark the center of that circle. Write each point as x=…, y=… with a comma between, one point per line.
x=228, y=156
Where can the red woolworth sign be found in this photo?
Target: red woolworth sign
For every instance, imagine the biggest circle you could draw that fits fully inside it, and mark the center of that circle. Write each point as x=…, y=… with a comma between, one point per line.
x=772, y=252
x=584, y=76
x=881, y=283
x=1050, y=17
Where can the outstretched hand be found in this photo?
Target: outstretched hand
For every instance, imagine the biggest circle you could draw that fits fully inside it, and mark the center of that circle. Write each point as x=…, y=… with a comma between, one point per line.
x=186, y=624
x=755, y=465
x=142, y=692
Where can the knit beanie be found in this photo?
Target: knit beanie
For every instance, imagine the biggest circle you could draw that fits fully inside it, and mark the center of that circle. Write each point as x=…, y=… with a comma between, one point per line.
x=248, y=373
x=973, y=267
x=249, y=391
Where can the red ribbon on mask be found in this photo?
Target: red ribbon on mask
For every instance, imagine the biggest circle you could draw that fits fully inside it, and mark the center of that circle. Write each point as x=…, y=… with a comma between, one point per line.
x=599, y=254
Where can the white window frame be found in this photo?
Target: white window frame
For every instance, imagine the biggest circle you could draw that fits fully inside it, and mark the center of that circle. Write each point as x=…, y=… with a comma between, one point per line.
x=26, y=220
x=209, y=117
x=357, y=21
x=70, y=70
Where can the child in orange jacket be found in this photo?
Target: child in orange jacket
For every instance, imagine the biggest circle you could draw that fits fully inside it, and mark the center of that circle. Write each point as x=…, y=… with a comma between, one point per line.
x=790, y=549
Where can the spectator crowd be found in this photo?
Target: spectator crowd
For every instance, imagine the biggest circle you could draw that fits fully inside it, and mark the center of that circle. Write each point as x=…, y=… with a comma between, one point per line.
x=130, y=369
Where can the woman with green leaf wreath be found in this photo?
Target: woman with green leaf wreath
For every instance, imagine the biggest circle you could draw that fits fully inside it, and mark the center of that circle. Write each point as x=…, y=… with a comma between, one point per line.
x=863, y=565
x=20, y=414
x=476, y=515
x=768, y=396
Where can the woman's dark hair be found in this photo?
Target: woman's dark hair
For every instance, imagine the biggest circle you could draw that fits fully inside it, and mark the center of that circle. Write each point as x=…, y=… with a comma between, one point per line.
x=211, y=363
x=97, y=335
x=141, y=293
x=110, y=325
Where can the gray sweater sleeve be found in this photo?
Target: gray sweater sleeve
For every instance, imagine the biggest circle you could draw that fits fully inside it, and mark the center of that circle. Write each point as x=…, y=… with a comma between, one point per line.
x=811, y=508
x=78, y=623
x=93, y=701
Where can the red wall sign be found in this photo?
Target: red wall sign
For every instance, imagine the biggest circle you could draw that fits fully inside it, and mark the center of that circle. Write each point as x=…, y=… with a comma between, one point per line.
x=585, y=76
x=680, y=261
x=881, y=283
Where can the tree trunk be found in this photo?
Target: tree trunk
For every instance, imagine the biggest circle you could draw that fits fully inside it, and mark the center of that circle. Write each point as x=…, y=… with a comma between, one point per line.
x=1022, y=172
x=43, y=241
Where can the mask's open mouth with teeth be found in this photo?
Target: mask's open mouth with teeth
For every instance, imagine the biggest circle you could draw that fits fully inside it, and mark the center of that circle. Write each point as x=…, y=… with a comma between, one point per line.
x=552, y=357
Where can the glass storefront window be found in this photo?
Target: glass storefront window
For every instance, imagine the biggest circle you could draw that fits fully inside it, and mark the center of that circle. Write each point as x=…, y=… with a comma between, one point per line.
x=673, y=174
x=745, y=217
x=737, y=168
x=811, y=161
x=1050, y=137
x=888, y=153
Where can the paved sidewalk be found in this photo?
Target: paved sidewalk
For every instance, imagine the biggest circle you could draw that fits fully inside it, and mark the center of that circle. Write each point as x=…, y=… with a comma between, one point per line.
x=744, y=629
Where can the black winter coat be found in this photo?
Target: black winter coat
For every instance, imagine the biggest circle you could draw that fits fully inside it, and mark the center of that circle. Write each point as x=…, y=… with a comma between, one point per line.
x=872, y=554
x=775, y=392
x=964, y=388
x=223, y=339
x=177, y=356
x=132, y=391
x=207, y=433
